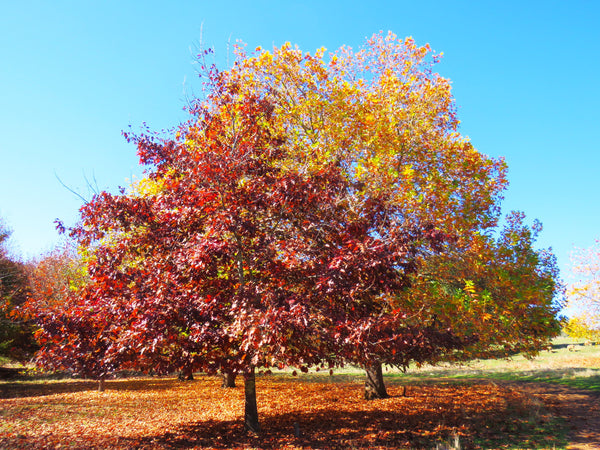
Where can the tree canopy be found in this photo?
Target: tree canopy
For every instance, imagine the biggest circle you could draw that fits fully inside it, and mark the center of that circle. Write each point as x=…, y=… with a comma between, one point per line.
x=314, y=211
x=499, y=289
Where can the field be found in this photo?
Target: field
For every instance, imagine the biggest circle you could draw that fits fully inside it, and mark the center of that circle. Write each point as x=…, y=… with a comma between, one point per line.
x=550, y=402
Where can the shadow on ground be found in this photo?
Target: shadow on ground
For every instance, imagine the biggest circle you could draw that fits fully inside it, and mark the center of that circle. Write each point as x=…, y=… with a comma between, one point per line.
x=21, y=389
x=579, y=409
x=580, y=378
x=332, y=429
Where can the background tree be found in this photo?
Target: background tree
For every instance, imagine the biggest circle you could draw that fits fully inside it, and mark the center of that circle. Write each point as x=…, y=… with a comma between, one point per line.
x=578, y=327
x=584, y=294
x=54, y=276
x=16, y=337
x=72, y=335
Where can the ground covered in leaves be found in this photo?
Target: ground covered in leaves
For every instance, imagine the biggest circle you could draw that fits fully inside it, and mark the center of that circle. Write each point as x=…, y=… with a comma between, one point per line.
x=157, y=413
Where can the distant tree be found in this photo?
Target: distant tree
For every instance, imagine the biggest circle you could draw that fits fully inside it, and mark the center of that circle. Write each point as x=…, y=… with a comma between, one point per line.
x=53, y=276
x=16, y=338
x=73, y=336
x=584, y=294
x=578, y=327
x=52, y=280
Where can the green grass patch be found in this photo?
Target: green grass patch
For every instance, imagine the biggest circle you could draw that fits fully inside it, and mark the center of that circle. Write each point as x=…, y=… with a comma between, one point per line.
x=528, y=432
x=588, y=379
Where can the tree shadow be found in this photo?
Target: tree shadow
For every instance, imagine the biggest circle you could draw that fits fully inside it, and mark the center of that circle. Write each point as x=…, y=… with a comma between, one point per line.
x=576, y=403
x=11, y=373
x=375, y=428
x=40, y=388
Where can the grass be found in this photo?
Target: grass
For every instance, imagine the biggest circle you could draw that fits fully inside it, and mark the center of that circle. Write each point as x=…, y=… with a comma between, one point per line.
x=577, y=369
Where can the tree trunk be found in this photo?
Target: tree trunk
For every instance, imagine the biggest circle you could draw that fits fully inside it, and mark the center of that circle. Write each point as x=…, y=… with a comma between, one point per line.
x=251, y=409
x=186, y=375
x=374, y=385
x=228, y=380
x=101, y=385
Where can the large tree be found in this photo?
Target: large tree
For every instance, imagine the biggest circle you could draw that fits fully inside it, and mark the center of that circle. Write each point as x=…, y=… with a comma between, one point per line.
x=388, y=120
x=212, y=270
x=233, y=259
x=283, y=224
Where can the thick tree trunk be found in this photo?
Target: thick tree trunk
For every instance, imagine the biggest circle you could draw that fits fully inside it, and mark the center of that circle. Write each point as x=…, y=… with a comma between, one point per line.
x=374, y=385
x=186, y=375
x=228, y=380
x=251, y=409
x=101, y=386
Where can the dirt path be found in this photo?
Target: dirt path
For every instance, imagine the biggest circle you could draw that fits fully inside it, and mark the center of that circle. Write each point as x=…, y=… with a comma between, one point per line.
x=579, y=408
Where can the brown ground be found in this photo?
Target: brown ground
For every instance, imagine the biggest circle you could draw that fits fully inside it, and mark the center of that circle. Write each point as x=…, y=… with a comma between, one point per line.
x=158, y=413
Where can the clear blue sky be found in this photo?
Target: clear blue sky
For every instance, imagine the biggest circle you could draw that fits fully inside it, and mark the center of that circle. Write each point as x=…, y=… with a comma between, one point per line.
x=73, y=74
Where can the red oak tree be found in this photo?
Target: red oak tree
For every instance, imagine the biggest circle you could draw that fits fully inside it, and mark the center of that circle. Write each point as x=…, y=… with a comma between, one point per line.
x=235, y=262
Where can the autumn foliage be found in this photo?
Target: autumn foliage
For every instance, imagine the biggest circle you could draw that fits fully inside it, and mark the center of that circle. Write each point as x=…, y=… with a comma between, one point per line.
x=584, y=294
x=498, y=288
x=313, y=212
x=16, y=335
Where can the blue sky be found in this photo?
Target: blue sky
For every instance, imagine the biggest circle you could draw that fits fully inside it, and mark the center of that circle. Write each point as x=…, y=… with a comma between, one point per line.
x=73, y=74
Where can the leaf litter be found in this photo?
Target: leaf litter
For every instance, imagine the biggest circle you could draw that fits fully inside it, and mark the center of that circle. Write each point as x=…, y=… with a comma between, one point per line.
x=156, y=413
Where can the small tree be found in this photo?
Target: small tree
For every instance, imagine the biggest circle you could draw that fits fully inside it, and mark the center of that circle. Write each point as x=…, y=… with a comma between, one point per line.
x=578, y=327
x=53, y=276
x=70, y=334
x=500, y=290
x=584, y=294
